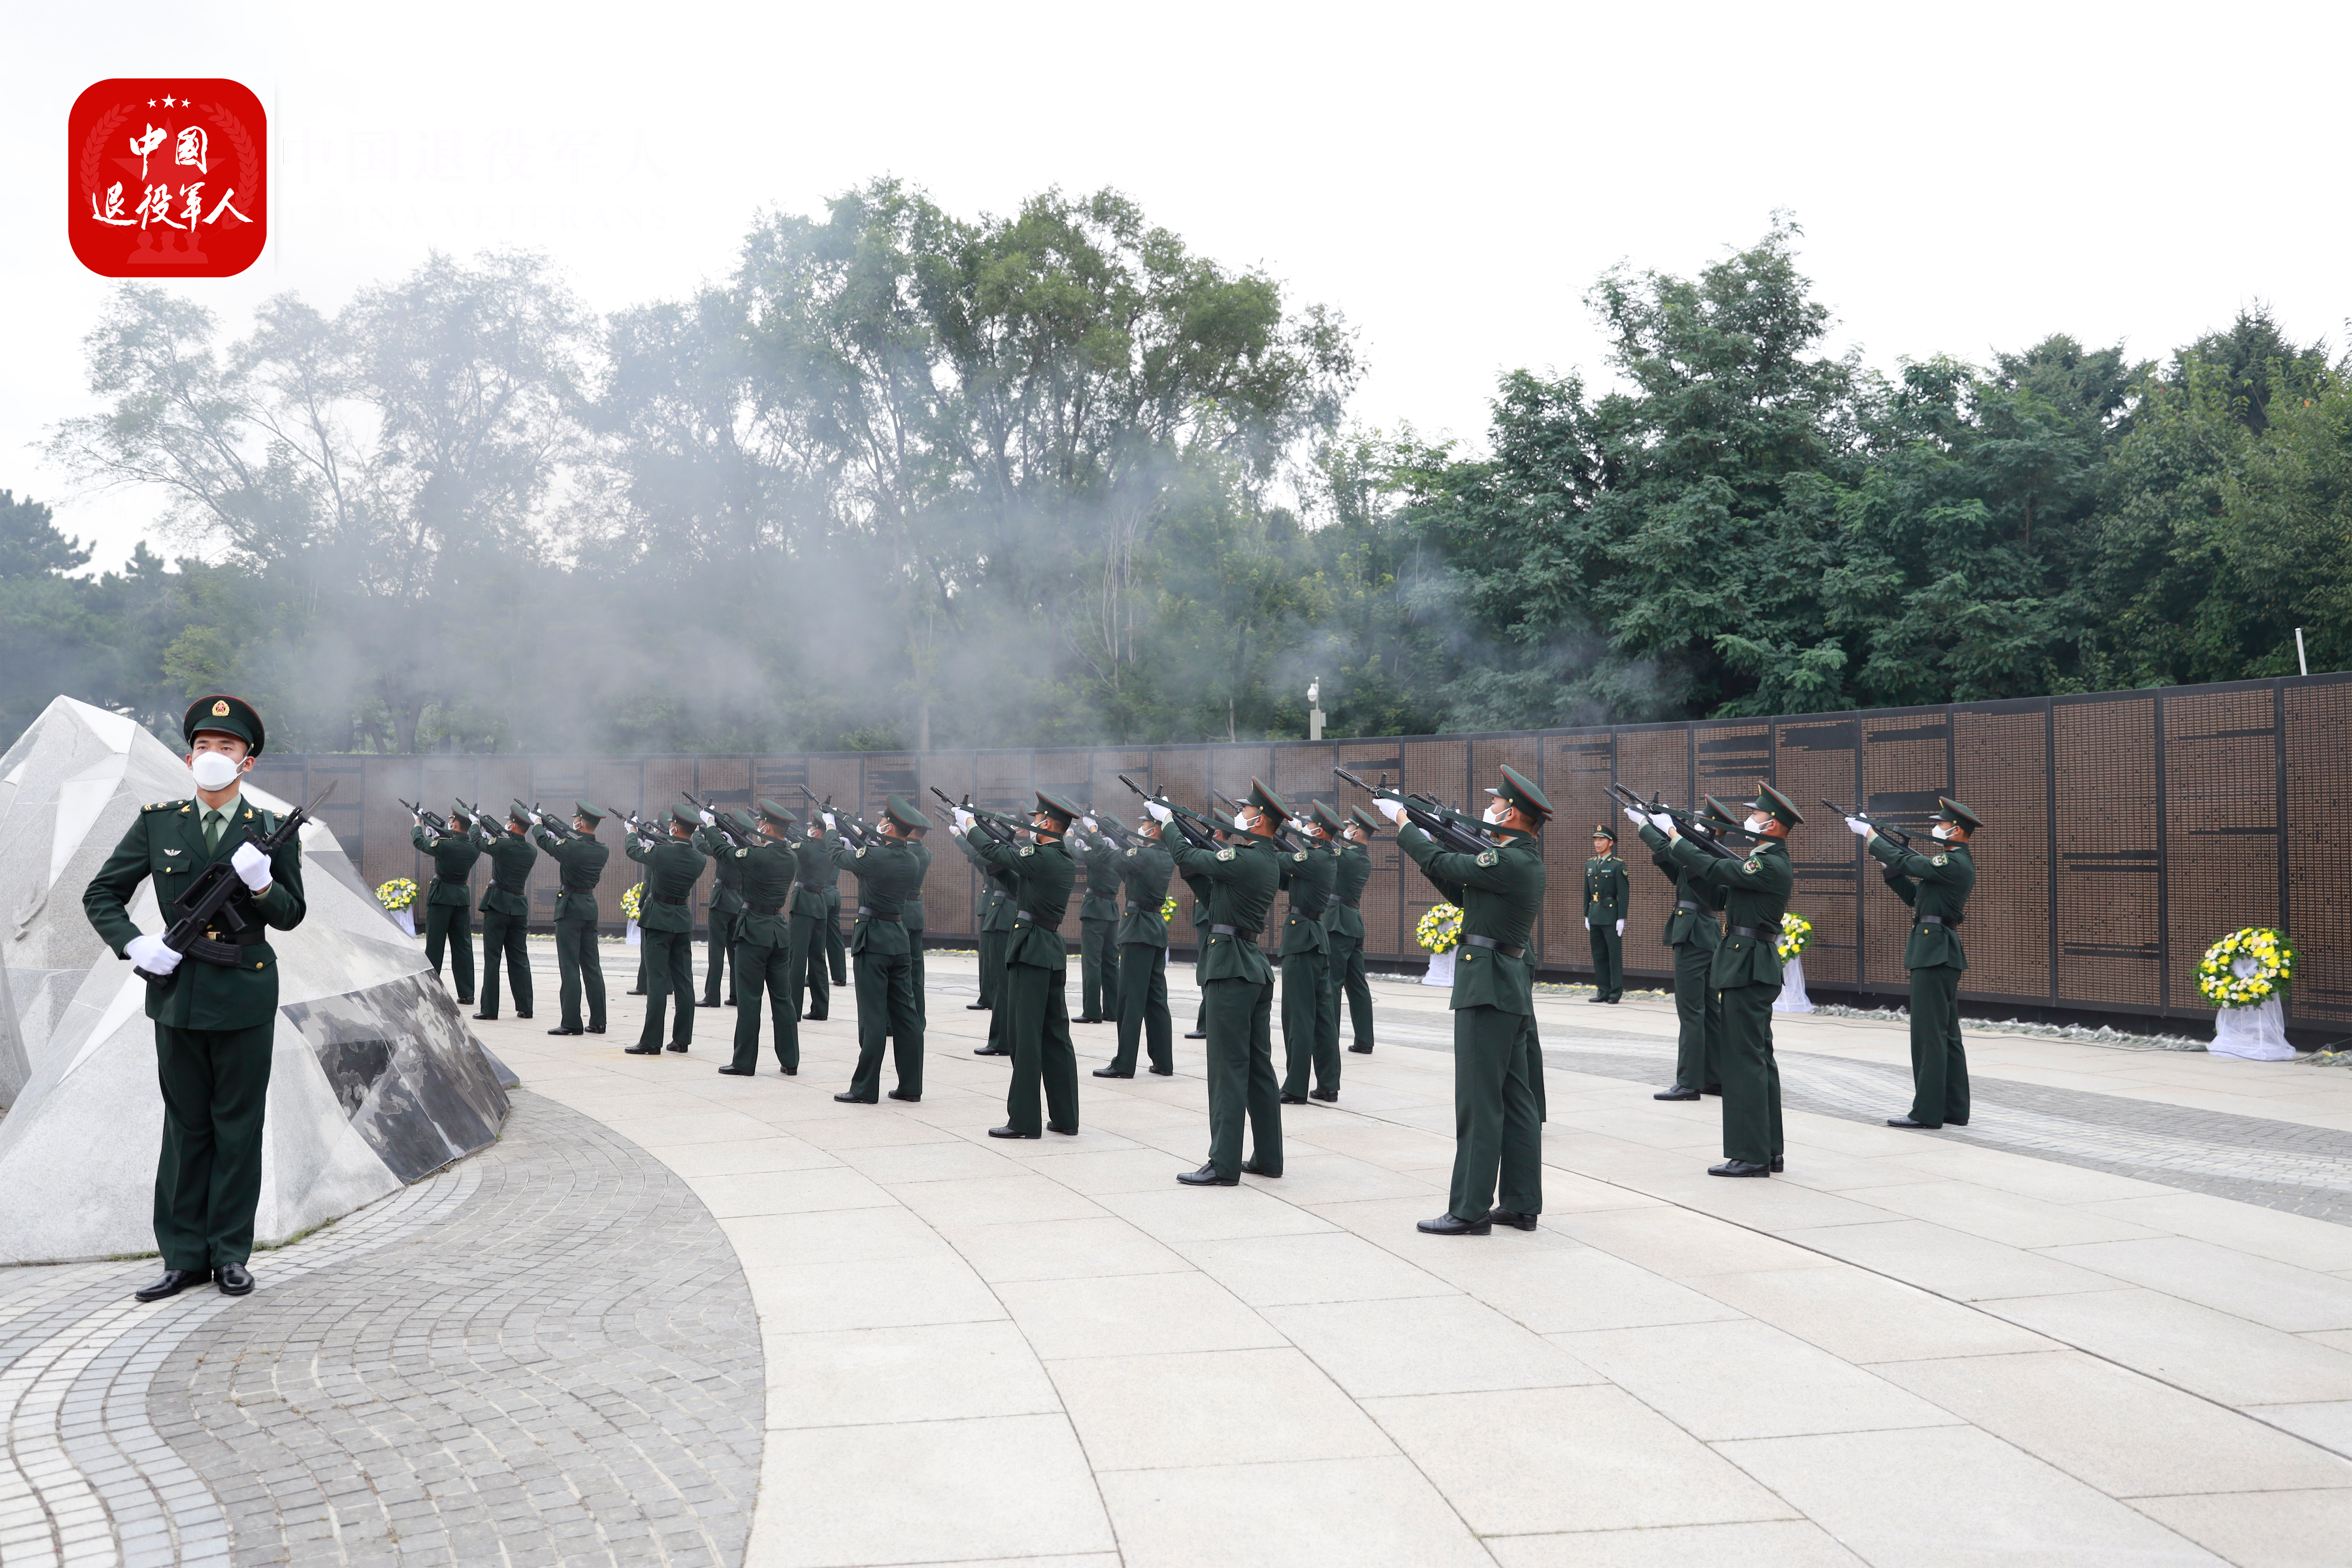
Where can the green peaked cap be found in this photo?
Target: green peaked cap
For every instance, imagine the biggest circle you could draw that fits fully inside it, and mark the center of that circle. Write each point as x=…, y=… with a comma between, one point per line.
x=1328, y=817
x=903, y=812
x=1521, y=792
x=592, y=813
x=1773, y=804
x=1058, y=805
x=777, y=813
x=685, y=818
x=1266, y=799
x=1950, y=810
x=1365, y=819
x=223, y=715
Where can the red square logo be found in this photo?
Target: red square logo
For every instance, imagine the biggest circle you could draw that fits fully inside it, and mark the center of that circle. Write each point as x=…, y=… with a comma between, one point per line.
x=167, y=177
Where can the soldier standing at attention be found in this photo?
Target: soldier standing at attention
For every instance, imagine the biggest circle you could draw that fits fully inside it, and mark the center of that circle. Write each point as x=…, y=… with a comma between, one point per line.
x=1036, y=1005
x=1937, y=887
x=1345, y=920
x=1098, y=925
x=726, y=905
x=1310, y=1007
x=1693, y=934
x=1748, y=974
x=888, y=873
x=1143, y=872
x=1497, y=1061
x=215, y=1022
x=581, y=860
x=449, y=905
x=1605, y=897
x=809, y=917
x=505, y=916
x=1238, y=882
x=672, y=867
x=769, y=871
x=995, y=934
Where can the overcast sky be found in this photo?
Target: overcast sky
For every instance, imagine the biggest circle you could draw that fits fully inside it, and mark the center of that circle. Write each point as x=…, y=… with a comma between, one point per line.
x=1451, y=177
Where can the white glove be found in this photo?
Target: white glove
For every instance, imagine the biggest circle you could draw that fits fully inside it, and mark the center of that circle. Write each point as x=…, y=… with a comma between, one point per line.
x=826, y=818
x=150, y=954
x=1091, y=824
x=251, y=866
x=1588, y=925
x=1663, y=822
x=1392, y=809
x=417, y=817
x=1861, y=829
x=708, y=820
x=1159, y=811
x=535, y=819
x=963, y=819
x=1636, y=819
x=1077, y=841
x=1620, y=928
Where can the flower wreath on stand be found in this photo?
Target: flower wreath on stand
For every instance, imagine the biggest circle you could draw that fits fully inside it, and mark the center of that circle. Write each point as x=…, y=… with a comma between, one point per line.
x=2246, y=968
x=1168, y=910
x=1440, y=930
x=1796, y=930
x=632, y=901
x=397, y=894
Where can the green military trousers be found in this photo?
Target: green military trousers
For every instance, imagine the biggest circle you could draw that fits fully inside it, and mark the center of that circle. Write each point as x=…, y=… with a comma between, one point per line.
x=886, y=1015
x=1939, y=1063
x=1240, y=1019
x=1750, y=1077
x=807, y=978
x=1310, y=1023
x=1037, y=1026
x=765, y=970
x=1607, y=962
x=1097, y=968
x=453, y=925
x=1698, y=1010
x=215, y=1083
x=836, y=962
x=1347, y=962
x=915, y=970
x=992, y=969
x=578, y=966
x=1143, y=1009
x=722, y=943
x=670, y=977
x=1497, y=1113
x=505, y=937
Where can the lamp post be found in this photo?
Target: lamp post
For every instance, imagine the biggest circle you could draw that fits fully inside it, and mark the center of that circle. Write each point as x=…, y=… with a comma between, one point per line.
x=1314, y=709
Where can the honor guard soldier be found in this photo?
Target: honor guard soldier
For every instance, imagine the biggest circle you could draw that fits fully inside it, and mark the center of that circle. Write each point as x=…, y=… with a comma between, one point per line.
x=1693, y=933
x=768, y=873
x=995, y=935
x=1746, y=971
x=505, y=916
x=1497, y=1059
x=912, y=917
x=1344, y=922
x=1144, y=870
x=1098, y=858
x=581, y=860
x=824, y=936
x=449, y=896
x=1606, y=894
x=1310, y=1007
x=1937, y=887
x=666, y=925
x=888, y=873
x=1034, y=1003
x=216, y=1012
x=725, y=907
x=1238, y=881
x=812, y=992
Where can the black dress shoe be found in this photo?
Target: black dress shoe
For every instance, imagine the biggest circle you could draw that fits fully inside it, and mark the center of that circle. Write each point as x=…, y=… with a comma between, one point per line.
x=641, y=1050
x=170, y=1283
x=1294, y=1100
x=1739, y=1168
x=1327, y=1096
x=1446, y=1224
x=740, y=1072
x=1596, y=1000
x=1677, y=1092
x=1206, y=1176
x=1065, y=1132
x=1089, y=1020
x=234, y=1279
x=676, y=1045
x=1906, y=1121
x=1195, y=1035
x=633, y=993
x=522, y=1012
x=1252, y=1168
x=1612, y=1001
x=1009, y=1131
x=493, y=1016
x=992, y=1051
x=1112, y=1072
x=847, y=1099
x=902, y=1094
x=565, y=1031
x=1163, y=1072
x=465, y=1001
x=976, y=1007
x=1779, y=1165
x=1511, y=1217
x=1361, y=1050
x=595, y=1028
x=815, y=1017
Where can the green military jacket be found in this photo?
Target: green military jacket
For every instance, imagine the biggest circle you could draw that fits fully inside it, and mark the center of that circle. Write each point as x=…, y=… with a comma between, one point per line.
x=1606, y=892
x=995, y=904
x=1937, y=887
x=1344, y=917
x=512, y=859
x=1687, y=926
x=1042, y=874
x=1235, y=885
x=1100, y=860
x=1756, y=895
x=454, y=855
x=1308, y=874
x=726, y=872
x=166, y=842
x=580, y=860
x=887, y=874
x=765, y=872
x=1144, y=871
x=672, y=867
x=911, y=912
x=1501, y=892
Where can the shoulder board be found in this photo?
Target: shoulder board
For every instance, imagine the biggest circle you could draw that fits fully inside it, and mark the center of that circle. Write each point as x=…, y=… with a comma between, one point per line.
x=1939, y=859
x=1299, y=855
x=1226, y=853
x=1025, y=849
x=1487, y=856
x=162, y=805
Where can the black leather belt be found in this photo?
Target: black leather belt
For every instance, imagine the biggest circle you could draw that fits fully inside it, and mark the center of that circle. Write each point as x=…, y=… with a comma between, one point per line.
x=1931, y=920
x=666, y=899
x=252, y=935
x=1746, y=930
x=867, y=914
x=1232, y=931
x=1019, y=915
x=502, y=888
x=1694, y=909
x=763, y=910
x=451, y=881
x=1506, y=949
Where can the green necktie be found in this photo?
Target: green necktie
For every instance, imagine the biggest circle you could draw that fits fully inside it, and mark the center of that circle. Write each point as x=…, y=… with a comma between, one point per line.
x=212, y=831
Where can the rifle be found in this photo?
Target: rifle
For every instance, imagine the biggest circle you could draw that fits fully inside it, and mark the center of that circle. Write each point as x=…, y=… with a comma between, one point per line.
x=206, y=906
x=1196, y=830
x=430, y=819
x=1110, y=827
x=473, y=813
x=996, y=820
x=1234, y=809
x=723, y=824
x=857, y=831
x=546, y=822
x=1451, y=830
x=1885, y=830
x=1691, y=825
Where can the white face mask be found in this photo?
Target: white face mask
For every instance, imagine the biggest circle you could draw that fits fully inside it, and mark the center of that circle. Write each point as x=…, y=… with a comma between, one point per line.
x=1941, y=830
x=213, y=769
x=1759, y=823
x=1495, y=810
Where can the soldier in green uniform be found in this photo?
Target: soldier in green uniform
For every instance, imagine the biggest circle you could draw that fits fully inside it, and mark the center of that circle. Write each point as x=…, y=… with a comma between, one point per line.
x=581, y=860
x=888, y=873
x=768, y=872
x=725, y=907
x=1344, y=922
x=913, y=916
x=1237, y=882
x=215, y=1022
x=505, y=916
x=1606, y=894
x=449, y=898
x=1746, y=971
x=666, y=925
x=1035, y=1006
x=995, y=935
x=1143, y=870
x=1310, y=1007
x=836, y=959
x=1199, y=885
x=804, y=969
x=1937, y=887
x=1693, y=933
x=1497, y=1059
x=1097, y=924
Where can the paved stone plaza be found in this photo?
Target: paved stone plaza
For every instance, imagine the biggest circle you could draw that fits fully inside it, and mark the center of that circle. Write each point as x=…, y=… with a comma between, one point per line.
x=676, y=1317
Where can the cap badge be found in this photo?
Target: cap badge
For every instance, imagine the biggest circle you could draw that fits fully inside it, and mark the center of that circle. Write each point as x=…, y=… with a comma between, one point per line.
x=220, y=710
